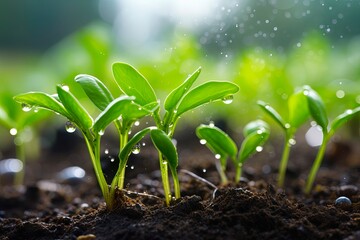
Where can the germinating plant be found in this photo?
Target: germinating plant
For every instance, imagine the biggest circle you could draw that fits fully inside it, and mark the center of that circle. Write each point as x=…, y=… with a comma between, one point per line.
x=223, y=146
x=182, y=99
x=297, y=115
x=318, y=113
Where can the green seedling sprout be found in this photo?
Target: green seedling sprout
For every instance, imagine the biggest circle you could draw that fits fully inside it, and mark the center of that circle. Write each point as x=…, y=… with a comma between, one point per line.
x=123, y=110
x=298, y=114
x=318, y=113
x=256, y=133
x=179, y=101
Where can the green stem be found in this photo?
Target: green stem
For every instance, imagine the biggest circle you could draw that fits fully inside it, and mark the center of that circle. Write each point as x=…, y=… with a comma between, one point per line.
x=221, y=169
x=316, y=165
x=165, y=178
x=238, y=172
x=284, y=161
x=176, y=184
x=20, y=154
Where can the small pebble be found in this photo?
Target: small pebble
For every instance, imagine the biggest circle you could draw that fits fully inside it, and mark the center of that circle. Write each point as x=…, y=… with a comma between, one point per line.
x=343, y=202
x=86, y=237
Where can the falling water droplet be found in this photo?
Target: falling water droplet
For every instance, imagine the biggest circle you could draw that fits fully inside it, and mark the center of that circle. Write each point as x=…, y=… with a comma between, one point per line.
x=204, y=170
x=70, y=127
x=13, y=131
x=228, y=99
x=202, y=141
x=112, y=159
x=106, y=151
x=259, y=148
x=136, y=149
x=132, y=167
x=26, y=107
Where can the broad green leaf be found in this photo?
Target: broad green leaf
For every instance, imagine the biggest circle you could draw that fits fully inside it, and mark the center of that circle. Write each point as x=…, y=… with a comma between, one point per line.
x=255, y=126
x=132, y=83
x=250, y=143
x=164, y=144
x=273, y=114
x=78, y=114
x=298, y=109
x=177, y=94
x=205, y=93
x=316, y=108
x=126, y=151
x=343, y=118
x=217, y=141
x=42, y=100
x=119, y=106
x=95, y=90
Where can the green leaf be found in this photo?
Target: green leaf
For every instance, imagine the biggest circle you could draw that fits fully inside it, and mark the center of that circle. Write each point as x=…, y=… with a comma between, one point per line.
x=164, y=144
x=298, y=109
x=42, y=100
x=5, y=120
x=95, y=90
x=177, y=94
x=132, y=83
x=205, y=93
x=126, y=151
x=78, y=114
x=119, y=106
x=316, y=108
x=343, y=118
x=271, y=112
x=250, y=143
x=255, y=126
x=217, y=141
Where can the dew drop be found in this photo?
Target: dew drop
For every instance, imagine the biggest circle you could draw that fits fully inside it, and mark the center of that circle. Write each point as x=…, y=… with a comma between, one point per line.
x=106, y=151
x=101, y=132
x=112, y=159
x=349, y=111
x=211, y=124
x=202, y=141
x=132, y=167
x=65, y=87
x=204, y=170
x=259, y=148
x=143, y=144
x=228, y=99
x=340, y=93
x=292, y=141
x=306, y=92
x=26, y=107
x=137, y=123
x=13, y=131
x=217, y=156
x=70, y=127
x=287, y=125
x=136, y=149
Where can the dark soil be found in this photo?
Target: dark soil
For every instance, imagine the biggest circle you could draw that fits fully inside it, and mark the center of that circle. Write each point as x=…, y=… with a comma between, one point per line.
x=51, y=208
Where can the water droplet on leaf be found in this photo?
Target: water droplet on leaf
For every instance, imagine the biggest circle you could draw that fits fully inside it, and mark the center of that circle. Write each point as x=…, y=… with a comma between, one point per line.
x=228, y=99
x=259, y=148
x=136, y=149
x=70, y=127
x=26, y=107
x=13, y=131
x=202, y=141
x=292, y=141
x=217, y=156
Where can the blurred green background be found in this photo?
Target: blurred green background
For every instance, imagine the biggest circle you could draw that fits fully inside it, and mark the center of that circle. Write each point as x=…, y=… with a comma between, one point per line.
x=268, y=47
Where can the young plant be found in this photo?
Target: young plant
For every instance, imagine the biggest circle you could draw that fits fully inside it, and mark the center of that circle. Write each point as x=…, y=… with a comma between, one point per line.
x=123, y=110
x=297, y=115
x=256, y=133
x=318, y=113
x=179, y=101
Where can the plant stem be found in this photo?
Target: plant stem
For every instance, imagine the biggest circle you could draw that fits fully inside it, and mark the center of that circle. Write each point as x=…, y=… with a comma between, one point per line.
x=20, y=154
x=238, y=172
x=165, y=178
x=316, y=165
x=284, y=161
x=221, y=169
x=176, y=184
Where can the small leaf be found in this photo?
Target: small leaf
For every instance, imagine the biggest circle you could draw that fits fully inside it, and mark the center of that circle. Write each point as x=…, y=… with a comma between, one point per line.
x=217, y=141
x=113, y=111
x=298, y=109
x=164, y=144
x=205, y=93
x=132, y=83
x=95, y=90
x=273, y=114
x=177, y=94
x=343, y=118
x=255, y=126
x=316, y=107
x=78, y=114
x=250, y=143
x=42, y=100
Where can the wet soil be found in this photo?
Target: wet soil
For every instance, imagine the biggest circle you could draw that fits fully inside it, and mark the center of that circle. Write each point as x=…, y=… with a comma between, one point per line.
x=48, y=207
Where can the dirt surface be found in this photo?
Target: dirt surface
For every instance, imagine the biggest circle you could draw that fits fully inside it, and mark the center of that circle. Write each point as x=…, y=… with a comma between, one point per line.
x=49, y=207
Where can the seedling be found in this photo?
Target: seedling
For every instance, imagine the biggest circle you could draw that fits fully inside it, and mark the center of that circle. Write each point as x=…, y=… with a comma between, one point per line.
x=256, y=133
x=123, y=110
x=298, y=114
x=179, y=101
x=318, y=113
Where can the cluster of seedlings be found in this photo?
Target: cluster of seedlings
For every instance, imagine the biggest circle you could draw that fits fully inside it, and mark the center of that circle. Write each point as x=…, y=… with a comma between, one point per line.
x=139, y=100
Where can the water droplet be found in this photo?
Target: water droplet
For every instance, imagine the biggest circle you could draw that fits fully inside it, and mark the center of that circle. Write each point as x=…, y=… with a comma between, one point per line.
x=26, y=107
x=204, y=170
x=260, y=131
x=65, y=87
x=340, y=94
x=228, y=99
x=112, y=159
x=342, y=201
x=13, y=131
x=137, y=123
x=211, y=124
x=306, y=92
x=349, y=111
x=292, y=141
x=164, y=162
x=287, y=125
x=70, y=127
x=136, y=149
x=259, y=148
x=132, y=167
x=298, y=44
x=106, y=151
x=217, y=156
x=143, y=144
x=202, y=141
x=101, y=132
